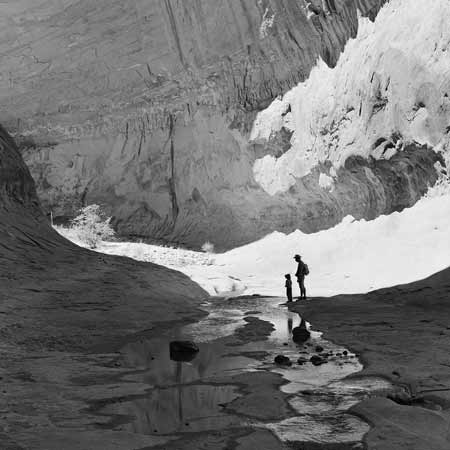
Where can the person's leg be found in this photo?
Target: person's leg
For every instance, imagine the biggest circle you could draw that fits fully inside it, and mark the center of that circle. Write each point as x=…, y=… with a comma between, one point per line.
x=302, y=287
x=289, y=294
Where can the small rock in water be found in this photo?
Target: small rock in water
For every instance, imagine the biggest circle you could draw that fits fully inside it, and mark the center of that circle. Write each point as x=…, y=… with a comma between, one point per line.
x=345, y=352
x=316, y=360
x=285, y=343
x=301, y=361
x=282, y=360
x=319, y=349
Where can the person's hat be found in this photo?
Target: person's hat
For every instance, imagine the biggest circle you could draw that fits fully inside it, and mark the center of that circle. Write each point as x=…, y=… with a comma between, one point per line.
x=296, y=256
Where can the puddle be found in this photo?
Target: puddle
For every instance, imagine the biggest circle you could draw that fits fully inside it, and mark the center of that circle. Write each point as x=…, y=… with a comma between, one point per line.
x=152, y=358
x=186, y=397
x=179, y=409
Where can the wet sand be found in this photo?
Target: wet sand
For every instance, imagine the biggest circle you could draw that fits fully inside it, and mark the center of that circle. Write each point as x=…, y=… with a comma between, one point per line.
x=402, y=334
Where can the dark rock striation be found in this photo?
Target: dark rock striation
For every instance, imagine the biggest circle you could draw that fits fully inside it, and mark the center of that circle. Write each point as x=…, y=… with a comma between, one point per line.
x=146, y=107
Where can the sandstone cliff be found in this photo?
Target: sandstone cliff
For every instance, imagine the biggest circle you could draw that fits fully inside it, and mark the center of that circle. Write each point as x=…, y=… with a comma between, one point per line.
x=147, y=107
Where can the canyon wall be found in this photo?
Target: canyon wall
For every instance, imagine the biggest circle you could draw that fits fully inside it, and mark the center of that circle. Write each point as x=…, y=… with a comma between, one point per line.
x=147, y=107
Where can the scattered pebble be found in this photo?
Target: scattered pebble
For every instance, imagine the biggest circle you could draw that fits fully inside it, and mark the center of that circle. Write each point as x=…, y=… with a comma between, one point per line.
x=317, y=360
x=282, y=360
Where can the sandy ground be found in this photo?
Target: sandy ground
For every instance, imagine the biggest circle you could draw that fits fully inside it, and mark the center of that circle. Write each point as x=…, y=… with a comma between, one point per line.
x=403, y=334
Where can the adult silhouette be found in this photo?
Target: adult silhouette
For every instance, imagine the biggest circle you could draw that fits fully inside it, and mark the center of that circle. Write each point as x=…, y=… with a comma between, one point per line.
x=302, y=271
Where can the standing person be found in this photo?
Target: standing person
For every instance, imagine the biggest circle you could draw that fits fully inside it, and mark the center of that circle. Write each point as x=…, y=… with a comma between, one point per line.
x=302, y=271
x=288, y=285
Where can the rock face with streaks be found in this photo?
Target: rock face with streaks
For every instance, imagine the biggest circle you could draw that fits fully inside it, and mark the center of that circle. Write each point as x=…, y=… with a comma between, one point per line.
x=147, y=107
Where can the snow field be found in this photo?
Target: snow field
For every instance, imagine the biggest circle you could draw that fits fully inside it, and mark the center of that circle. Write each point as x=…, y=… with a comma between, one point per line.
x=353, y=257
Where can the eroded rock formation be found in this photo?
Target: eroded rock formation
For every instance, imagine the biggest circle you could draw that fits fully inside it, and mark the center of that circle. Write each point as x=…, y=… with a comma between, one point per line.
x=147, y=108
x=55, y=295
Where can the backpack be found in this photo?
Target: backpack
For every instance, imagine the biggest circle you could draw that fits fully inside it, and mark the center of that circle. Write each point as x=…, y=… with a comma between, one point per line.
x=306, y=269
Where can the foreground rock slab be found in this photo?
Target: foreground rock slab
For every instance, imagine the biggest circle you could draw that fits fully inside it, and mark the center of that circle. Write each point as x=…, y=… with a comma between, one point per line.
x=403, y=334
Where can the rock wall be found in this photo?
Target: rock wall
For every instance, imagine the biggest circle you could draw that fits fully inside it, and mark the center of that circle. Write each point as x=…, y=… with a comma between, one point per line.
x=147, y=108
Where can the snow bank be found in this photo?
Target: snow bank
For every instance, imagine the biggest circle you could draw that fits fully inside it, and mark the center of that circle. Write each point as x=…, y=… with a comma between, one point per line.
x=391, y=85
x=353, y=257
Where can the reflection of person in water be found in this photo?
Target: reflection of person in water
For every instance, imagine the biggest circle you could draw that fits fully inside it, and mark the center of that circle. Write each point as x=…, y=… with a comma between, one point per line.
x=290, y=325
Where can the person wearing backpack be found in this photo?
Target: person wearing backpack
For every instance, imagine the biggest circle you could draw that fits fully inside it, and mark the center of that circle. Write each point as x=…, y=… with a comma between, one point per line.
x=302, y=271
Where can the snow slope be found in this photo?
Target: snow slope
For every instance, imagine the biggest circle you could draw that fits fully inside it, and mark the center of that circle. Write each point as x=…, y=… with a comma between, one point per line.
x=391, y=86
x=353, y=257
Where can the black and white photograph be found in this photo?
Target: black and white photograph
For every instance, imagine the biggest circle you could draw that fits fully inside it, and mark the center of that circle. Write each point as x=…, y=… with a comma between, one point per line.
x=224, y=225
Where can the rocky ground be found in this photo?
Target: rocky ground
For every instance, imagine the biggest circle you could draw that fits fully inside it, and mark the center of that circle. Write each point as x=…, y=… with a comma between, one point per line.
x=75, y=399
x=403, y=334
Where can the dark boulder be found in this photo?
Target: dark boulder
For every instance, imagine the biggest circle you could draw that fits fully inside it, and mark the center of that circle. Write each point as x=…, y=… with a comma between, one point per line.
x=319, y=349
x=282, y=360
x=300, y=335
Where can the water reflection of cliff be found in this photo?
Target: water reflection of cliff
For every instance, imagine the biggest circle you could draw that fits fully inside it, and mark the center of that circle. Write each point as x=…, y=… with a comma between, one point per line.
x=181, y=408
x=178, y=406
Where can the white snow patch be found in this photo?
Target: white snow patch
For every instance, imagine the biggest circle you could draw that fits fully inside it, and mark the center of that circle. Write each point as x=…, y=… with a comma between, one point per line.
x=266, y=24
x=269, y=120
x=394, y=78
x=326, y=182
